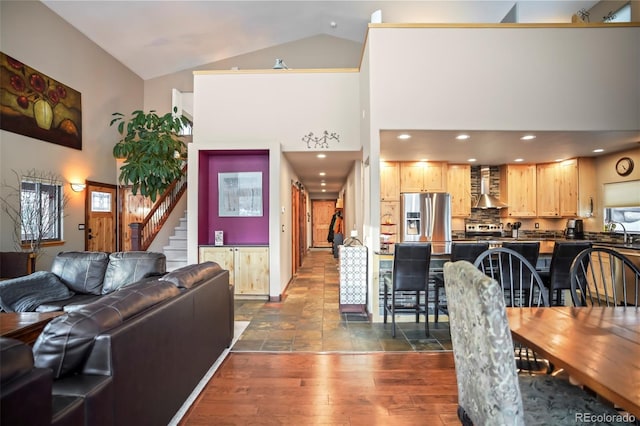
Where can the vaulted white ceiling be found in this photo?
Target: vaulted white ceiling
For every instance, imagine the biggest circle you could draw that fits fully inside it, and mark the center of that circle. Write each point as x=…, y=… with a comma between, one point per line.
x=156, y=38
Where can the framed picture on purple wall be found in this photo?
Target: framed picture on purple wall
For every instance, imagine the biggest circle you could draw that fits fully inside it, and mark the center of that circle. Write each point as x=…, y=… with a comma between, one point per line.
x=240, y=194
x=35, y=105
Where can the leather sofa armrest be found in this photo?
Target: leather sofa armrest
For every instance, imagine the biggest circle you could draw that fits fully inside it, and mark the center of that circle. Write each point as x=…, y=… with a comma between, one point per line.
x=96, y=392
x=25, y=391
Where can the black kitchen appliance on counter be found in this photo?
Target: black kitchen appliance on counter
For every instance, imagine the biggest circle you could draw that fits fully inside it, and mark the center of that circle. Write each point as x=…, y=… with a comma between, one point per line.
x=574, y=229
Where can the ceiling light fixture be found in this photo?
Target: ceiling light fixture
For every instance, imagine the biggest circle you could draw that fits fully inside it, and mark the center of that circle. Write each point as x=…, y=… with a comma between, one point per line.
x=472, y=160
x=321, y=155
x=462, y=137
x=528, y=137
x=404, y=136
x=323, y=184
x=519, y=160
x=322, y=174
x=598, y=150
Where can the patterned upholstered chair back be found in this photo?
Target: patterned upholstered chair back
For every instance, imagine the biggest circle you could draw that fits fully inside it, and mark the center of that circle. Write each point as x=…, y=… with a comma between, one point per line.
x=488, y=389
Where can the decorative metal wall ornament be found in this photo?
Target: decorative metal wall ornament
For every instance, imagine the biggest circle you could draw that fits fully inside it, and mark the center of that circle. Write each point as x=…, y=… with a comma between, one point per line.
x=584, y=15
x=313, y=141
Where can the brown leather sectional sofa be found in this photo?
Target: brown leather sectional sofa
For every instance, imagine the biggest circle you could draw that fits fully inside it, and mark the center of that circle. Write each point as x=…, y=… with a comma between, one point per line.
x=132, y=357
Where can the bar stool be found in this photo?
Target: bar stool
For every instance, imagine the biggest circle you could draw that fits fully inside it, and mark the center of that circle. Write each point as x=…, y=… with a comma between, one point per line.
x=530, y=251
x=459, y=251
x=410, y=274
x=558, y=277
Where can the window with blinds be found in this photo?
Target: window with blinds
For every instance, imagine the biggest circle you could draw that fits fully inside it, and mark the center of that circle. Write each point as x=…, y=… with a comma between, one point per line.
x=622, y=205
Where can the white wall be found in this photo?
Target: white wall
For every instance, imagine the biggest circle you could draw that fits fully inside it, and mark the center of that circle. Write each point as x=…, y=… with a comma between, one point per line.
x=33, y=34
x=571, y=78
x=278, y=105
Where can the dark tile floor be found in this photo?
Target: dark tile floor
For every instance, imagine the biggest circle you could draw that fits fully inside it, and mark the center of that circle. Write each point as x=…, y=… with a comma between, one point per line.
x=308, y=319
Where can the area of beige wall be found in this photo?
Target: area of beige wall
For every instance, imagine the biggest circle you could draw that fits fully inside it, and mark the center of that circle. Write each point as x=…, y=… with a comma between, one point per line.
x=33, y=34
x=320, y=51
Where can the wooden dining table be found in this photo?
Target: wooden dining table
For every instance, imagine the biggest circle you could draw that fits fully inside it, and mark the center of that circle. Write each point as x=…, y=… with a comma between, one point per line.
x=599, y=347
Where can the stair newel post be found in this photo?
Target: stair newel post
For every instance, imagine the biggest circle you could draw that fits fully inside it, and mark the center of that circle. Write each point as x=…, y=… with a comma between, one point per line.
x=136, y=236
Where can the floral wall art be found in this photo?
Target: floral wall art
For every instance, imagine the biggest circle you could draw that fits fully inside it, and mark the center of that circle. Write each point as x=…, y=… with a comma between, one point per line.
x=35, y=105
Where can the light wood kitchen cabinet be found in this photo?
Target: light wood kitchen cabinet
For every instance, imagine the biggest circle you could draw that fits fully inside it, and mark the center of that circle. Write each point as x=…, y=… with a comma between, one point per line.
x=566, y=189
x=422, y=176
x=577, y=187
x=518, y=182
x=389, y=181
x=459, y=186
x=548, y=190
x=248, y=267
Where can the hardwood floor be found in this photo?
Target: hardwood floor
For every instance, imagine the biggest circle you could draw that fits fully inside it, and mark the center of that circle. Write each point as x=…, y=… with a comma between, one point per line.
x=301, y=362
x=329, y=389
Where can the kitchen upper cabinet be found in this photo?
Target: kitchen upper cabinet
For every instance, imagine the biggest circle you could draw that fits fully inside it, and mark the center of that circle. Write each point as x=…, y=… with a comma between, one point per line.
x=459, y=186
x=422, y=176
x=389, y=181
x=248, y=267
x=518, y=182
x=577, y=187
x=548, y=190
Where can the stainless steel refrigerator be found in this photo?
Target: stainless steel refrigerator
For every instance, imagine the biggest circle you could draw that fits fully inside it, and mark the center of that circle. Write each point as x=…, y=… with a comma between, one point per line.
x=425, y=217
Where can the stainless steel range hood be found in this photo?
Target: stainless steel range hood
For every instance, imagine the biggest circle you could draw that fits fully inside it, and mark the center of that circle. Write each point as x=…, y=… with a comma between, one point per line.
x=485, y=199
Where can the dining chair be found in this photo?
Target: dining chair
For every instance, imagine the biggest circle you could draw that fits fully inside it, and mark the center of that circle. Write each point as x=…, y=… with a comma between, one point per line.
x=459, y=251
x=490, y=391
x=522, y=288
x=558, y=278
x=410, y=274
x=601, y=276
x=518, y=277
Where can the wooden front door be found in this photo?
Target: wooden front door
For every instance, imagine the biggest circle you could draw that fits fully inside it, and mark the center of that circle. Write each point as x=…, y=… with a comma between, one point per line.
x=322, y=211
x=100, y=217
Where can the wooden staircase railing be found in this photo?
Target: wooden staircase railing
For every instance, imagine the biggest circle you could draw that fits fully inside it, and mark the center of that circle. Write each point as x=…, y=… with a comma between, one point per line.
x=143, y=233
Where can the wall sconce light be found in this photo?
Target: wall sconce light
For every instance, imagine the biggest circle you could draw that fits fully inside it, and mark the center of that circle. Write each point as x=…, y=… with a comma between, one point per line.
x=77, y=187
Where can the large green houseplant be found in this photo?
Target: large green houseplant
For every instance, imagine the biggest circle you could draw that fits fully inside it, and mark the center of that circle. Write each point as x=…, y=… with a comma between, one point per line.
x=152, y=150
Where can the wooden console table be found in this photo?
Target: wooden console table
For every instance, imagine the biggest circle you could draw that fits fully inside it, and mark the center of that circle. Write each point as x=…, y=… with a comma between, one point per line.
x=25, y=326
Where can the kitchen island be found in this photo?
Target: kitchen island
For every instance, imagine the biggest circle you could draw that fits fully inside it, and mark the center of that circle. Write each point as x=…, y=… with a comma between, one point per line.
x=383, y=262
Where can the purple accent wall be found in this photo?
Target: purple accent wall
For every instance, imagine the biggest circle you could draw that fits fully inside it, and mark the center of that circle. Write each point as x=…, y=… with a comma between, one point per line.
x=237, y=230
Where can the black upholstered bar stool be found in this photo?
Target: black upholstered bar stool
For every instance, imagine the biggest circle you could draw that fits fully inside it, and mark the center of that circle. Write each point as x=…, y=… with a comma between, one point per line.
x=459, y=251
x=558, y=277
x=530, y=251
x=410, y=274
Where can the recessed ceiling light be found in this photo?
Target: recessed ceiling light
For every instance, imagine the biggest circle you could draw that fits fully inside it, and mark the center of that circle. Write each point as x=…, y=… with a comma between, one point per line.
x=462, y=137
x=471, y=160
x=519, y=160
x=404, y=136
x=323, y=184
x=598, y=150
x=324, y=190
x=321, y=155
x=424, y=160
x=322, y=174
x=528, y=137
